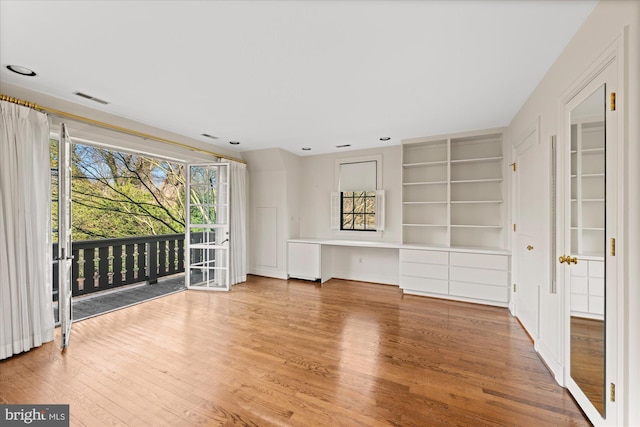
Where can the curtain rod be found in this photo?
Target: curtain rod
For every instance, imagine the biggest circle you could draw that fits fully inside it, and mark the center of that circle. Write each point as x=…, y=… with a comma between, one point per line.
x=98, y=123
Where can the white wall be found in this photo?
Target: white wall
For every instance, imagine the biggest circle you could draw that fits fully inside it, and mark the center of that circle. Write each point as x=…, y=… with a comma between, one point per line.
x=317, y=175
x=272, y=209
x=609, y=20
x=120, y=140
x=289, y=197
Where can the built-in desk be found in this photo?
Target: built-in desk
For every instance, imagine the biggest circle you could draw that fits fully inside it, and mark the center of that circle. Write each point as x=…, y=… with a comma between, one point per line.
x=464, y=274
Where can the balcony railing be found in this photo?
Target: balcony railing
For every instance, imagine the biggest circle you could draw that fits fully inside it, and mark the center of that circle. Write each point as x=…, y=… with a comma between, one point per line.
x=99, y=265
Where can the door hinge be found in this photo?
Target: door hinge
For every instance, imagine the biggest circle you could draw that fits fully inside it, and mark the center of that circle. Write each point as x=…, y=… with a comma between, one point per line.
x=613, y=101
x=612, y=394
x=513, y=166
x=613, y=246
x=514, y=228
x=514, y=287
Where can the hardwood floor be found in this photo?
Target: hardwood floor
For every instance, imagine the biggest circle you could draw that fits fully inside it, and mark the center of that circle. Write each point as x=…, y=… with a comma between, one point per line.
x=587, y=359
x=273, y=352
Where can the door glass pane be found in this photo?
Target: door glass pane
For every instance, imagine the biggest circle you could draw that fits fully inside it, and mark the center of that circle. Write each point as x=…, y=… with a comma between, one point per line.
x=587, y=204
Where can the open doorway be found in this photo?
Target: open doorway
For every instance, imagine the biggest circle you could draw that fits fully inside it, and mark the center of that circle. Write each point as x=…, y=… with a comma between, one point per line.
x=128, y=222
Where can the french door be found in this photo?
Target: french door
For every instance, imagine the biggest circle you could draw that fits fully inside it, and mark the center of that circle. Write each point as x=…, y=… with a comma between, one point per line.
x=64, y=257
x=207, y=230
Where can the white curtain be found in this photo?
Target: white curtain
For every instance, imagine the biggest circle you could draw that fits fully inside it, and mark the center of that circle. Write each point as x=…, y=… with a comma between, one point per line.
x=26, y=315
x=238, y=224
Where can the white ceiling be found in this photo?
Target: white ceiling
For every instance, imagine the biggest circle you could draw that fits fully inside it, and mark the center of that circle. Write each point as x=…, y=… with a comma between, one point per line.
x=292, y=74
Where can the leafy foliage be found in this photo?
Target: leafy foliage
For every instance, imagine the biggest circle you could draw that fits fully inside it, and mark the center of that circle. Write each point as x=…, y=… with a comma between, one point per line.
x=119, y=195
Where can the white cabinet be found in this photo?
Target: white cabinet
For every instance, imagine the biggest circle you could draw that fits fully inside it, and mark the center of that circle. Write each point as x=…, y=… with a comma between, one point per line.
x=424, y=271
x=453, y=190
x=587, y=288
x=308, y=261
x=473, y=277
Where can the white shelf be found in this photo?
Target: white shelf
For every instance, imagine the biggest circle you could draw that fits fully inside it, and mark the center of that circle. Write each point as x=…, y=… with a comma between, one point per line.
x=444, y=202
x=440, y=197
x=416, y=165
x=587, y=231
x=467, y=202
x=425, y=183
x=470, y=181
x=477, y=160
x=475, y=226
x=424, y=225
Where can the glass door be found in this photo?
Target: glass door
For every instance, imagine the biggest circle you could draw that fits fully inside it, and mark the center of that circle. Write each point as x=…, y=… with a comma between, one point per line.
x=589, y=256
x=207, y=231
x=64, y=257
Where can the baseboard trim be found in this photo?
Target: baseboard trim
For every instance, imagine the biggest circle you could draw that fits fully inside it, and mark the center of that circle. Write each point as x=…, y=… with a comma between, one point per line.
x=266, y=272
x=555, y=368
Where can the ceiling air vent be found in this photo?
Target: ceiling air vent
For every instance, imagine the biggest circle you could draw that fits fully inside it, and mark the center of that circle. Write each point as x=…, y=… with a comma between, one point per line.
x=206, y=135
x=92, y=98
x=343, y=146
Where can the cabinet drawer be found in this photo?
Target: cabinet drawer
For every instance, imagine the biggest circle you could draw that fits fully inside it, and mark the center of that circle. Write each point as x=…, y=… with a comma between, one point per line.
x=492, y=262
x=303, y=260
x=579, y=285
x=424, y=285
x=579, y=269
x=596, y=287
x=580, y=303
x=426, y=257
x=596, y=305
x=474, y=290
x=596, y=269
x=479, y=275
x=432, y=271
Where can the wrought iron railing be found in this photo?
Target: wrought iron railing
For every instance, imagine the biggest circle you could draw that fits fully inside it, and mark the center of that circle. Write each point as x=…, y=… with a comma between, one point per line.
x=99, y=265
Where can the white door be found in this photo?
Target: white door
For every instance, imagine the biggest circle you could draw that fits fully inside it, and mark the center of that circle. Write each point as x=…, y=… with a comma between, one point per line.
x=591, y=169
x=527, y=243
x=207, y=231
x=64, y=235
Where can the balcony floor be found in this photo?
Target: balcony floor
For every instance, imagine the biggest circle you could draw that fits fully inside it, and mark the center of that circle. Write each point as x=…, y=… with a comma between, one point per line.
x=92, y=305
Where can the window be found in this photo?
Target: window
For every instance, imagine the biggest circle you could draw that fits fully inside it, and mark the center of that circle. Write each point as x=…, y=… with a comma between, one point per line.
x=358, y=210
x=357, y=206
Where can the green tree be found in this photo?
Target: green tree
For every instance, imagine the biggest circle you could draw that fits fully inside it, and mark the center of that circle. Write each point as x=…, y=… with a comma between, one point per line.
x=119, y=195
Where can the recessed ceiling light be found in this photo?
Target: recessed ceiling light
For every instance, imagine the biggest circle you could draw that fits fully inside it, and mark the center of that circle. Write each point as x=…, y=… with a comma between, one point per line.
x=234, y=142
x=343, y=146
x=23, y=71
x=306, y=148
x=206, y=135
x=385, y=138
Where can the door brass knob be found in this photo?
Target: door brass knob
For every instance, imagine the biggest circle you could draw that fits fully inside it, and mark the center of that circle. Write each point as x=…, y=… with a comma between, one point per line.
x=568, y=259
x=529, y=247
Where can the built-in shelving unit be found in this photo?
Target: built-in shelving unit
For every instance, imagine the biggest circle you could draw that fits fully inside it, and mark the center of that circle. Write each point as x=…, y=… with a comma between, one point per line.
x=587, y=189
x=453, y=190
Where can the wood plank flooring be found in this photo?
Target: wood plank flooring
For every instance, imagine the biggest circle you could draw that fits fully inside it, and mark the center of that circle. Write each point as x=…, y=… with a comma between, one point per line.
x=587, y=359
x=294, y=353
